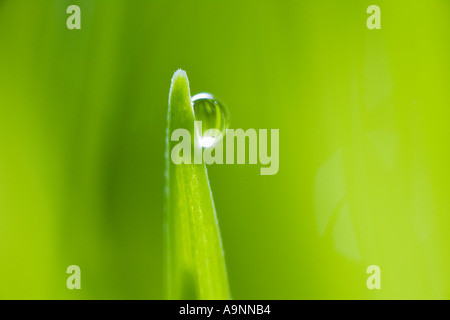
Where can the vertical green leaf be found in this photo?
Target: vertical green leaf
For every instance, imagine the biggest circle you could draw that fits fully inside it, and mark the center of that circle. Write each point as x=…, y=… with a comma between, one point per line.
x=195, y=263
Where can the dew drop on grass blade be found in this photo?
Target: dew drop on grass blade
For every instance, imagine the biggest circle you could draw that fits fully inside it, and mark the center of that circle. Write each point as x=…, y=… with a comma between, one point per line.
x=194, y=258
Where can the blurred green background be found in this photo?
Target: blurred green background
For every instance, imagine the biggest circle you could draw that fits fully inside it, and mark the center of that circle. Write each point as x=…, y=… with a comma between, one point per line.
x=364, y=162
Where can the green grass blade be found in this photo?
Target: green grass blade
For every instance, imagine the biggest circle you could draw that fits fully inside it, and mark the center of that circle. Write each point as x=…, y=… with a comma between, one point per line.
x=195, y=263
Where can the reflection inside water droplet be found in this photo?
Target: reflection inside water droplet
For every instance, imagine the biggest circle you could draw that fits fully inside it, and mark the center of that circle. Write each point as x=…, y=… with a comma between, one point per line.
x=214, y=118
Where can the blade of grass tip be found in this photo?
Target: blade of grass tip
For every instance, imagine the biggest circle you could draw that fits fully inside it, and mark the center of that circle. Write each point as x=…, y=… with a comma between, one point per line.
x=194, y=262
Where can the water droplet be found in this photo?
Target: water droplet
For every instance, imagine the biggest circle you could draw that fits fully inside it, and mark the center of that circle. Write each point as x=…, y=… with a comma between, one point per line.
x=214, y=117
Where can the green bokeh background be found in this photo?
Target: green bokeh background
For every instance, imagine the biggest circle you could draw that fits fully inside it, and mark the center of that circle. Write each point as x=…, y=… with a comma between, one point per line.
x=364, y=163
